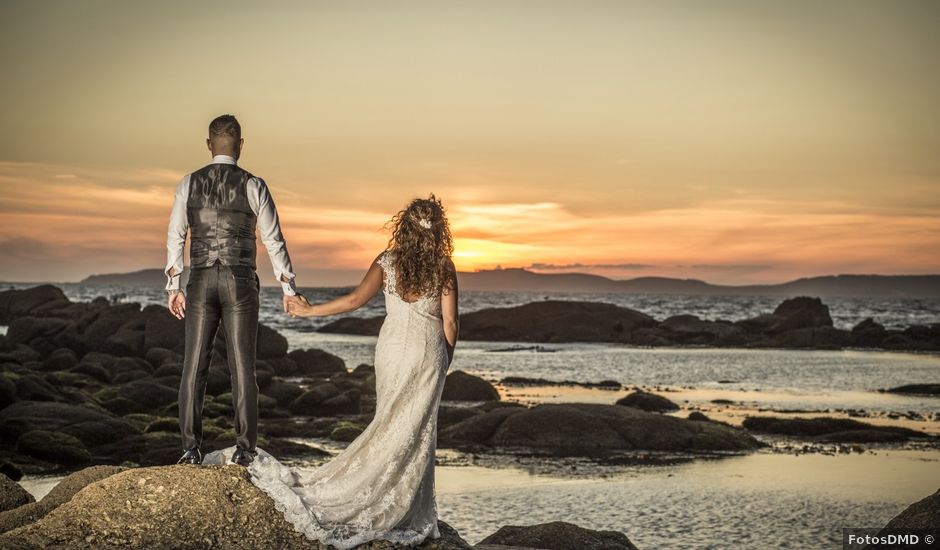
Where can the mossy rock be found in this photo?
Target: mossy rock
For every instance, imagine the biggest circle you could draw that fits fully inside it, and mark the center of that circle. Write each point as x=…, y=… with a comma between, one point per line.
x=227, y=438
x=163, y=424
x=56, y=447
x=210, y=431
x=140, y=420
x=346, y=431
x=107, y=394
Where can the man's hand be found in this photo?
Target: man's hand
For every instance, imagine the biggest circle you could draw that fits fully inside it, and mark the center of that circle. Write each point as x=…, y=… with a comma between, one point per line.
x=300, y=307
x=176, y=302
x=295, y=299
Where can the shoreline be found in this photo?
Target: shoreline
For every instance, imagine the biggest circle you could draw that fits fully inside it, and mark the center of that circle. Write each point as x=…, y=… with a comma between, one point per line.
x=700, y=399
x=873, y=487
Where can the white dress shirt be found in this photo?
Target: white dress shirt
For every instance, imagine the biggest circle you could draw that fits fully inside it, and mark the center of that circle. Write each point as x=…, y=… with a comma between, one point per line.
x=260, y=202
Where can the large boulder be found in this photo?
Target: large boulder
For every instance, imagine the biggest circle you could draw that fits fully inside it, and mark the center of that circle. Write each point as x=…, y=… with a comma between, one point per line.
x=554, y=321
x=162, y=329
x=90, y=426
x=545, y=321
x=7, y=391
x=804, y=311
x=283, y=392
x=36, y=388
x=363, y=326
x=157, y=356
x=59, y=494
x=868, y=334
x=690, y=329
x=58, y=448
x=106, y=323
x=30, y=301
x=27, y=330
x=313, y=362
x=60, y=359
x=557, y=535
x=149, y=395
x=587, y=429
x=448, y=414
x=270, y=342
x=326, y=400
x=12, y=495
x=178, y=507
x=647, y=401
x=923, y=514
x=812, y=337
x=793, y=313
x=461, y=386
x=834, y=430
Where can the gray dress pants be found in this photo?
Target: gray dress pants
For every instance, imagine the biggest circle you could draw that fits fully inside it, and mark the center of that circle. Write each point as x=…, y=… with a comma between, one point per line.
x=226, y=295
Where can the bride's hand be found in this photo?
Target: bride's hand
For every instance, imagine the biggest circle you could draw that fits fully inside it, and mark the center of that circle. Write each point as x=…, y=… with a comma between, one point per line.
x=300, y=307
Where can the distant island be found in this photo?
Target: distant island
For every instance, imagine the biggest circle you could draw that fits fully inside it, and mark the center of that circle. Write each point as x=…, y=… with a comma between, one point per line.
x=519, y=279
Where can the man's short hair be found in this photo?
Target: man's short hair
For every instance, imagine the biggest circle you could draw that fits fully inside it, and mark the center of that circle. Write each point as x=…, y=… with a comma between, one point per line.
x=225, y=125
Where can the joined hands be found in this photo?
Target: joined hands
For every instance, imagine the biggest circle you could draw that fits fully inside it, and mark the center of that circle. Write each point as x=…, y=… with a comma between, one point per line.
x=298, y=306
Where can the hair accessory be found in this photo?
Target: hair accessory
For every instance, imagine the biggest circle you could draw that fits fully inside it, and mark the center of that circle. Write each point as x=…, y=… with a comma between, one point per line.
x=425, y=223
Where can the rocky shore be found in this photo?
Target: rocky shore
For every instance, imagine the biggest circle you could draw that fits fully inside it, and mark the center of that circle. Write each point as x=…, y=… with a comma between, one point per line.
x=96, y=383
x=799, y=323
x=91, y=388
x=190, y=507
x=196, y=507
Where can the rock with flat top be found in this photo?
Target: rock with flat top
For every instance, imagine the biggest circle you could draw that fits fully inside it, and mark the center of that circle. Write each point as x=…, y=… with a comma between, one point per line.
x=585, y=429
x=557, y=535
x=59, y=494
x=647, y=401
x=461, y=386
x=179, y=507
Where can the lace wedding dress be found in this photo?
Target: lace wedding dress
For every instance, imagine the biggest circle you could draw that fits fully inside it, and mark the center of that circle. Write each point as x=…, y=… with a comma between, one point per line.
x=382, y=485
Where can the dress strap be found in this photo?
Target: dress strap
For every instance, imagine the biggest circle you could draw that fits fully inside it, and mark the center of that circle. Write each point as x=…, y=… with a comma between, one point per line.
x=388, y=270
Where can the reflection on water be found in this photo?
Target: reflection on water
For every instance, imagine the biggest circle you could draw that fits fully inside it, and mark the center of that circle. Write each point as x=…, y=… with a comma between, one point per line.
x=757, y=501
x=762, y=500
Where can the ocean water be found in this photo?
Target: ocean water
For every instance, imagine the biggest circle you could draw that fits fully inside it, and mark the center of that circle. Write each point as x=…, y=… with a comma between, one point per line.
x=845, y=311
x=772, y=378
x=757, y=501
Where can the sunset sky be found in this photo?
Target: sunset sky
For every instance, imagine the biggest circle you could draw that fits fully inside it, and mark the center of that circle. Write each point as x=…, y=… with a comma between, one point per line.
x=733, y=142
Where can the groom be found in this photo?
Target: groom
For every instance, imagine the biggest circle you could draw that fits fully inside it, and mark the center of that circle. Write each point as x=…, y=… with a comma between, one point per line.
x=221, y=204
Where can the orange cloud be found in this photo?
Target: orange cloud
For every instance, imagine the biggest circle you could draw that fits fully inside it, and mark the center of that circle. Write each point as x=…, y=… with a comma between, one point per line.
x=66, y=222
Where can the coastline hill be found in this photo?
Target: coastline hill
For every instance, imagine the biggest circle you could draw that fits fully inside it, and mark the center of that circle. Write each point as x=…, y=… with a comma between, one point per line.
x=519, y=279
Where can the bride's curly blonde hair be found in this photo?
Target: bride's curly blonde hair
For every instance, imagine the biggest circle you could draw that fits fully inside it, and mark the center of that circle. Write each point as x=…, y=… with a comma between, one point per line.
x=423, y=245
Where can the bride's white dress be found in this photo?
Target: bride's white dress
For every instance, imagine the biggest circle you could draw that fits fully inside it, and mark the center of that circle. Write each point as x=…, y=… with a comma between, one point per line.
x=382, y=485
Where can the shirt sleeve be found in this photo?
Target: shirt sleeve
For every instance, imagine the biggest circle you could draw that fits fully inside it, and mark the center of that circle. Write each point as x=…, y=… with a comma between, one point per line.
x=261, y=202
x=176, y=235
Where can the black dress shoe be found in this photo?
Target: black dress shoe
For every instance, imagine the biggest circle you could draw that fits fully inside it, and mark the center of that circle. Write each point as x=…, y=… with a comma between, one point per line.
x=243, y=457
x=192, y=456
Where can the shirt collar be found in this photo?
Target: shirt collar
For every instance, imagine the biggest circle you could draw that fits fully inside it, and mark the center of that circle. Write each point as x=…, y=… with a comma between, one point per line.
x=223, y=159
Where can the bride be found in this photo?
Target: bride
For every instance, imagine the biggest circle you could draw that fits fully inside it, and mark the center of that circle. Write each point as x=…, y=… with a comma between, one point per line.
x=382, y=485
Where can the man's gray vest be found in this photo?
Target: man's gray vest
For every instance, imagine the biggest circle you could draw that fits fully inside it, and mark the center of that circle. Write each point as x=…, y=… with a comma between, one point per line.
x=221, y=223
